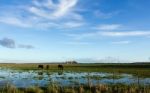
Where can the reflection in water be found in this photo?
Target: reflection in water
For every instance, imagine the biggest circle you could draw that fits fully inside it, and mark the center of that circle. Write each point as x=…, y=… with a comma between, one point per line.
x=31, y=78
x=60, y=72
x=40, y=77
x=40, y=73
x=48, y=73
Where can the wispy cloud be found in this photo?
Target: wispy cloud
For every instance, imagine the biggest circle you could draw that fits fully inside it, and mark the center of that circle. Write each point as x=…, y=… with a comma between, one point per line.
x=121, y=42
x=108, y=27
x=126, y=33
x=14, y=21
x=10, y=43
x=100, y=34
x=26, y=46
x=64, y=8
x=44, y=14
x=73, y=24
x=103, y=15
x=82, y=35
x=54, y=11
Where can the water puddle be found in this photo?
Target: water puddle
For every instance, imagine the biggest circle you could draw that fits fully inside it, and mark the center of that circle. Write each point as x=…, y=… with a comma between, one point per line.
x=23, y=79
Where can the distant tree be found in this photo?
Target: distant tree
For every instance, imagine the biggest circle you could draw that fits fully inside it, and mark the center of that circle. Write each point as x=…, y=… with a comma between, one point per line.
x=71, y=62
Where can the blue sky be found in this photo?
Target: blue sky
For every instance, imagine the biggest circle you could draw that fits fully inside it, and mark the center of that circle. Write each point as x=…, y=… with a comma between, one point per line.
x=83, y=30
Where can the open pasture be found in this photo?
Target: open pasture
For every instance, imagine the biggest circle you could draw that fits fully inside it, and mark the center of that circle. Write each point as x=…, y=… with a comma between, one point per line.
x=74, y=78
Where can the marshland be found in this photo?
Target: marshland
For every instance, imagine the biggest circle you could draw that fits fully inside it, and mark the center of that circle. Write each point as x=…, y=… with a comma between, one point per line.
x=75, y=78
x=74, y=46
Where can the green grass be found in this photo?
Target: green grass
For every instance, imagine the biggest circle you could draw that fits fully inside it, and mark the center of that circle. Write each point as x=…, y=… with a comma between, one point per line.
x=100, y=88
x=141, y=70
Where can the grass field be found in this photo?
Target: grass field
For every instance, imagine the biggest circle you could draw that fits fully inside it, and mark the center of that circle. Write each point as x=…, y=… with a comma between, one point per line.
x=81, y=89
x=139, y=69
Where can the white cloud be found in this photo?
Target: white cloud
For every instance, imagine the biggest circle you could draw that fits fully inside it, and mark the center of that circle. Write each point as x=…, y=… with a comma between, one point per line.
x=64, y=7
x=100, y=34
x=103, y=15
x=108, y=27
x=14, y=21
x=72, y=24
x=121, y=42
x=39, y=12
x=55, y=11
x=126, y=33
x=82, y=35
x=44, y=14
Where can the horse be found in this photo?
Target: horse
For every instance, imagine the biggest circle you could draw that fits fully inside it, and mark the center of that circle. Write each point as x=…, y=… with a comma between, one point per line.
x=47, y=67
x=61, y=67
x=40, y=66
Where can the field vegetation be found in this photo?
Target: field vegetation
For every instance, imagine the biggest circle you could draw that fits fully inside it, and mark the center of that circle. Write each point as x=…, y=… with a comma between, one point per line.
x=101, y=88
x=138, y=69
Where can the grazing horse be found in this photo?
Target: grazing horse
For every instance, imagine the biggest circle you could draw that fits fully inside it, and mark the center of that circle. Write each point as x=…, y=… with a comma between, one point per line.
x=40, y=66
x=47, y=67
x=61, y=67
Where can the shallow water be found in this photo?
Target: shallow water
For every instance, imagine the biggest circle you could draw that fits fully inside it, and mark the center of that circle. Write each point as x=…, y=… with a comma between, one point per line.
x=32, y=78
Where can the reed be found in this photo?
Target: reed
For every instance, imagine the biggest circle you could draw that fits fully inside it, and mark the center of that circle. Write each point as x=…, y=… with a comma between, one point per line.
x=100, y=88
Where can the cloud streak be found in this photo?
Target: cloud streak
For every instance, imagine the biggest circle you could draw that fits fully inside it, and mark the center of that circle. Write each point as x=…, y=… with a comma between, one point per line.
x=53, y=10
x=121, y=42
x=108, y=27
x=26, y=46
x=99, y=34
x=102, y=15
x=44, y=14
x=10, y=43
x=126, y=33
x=14, y=21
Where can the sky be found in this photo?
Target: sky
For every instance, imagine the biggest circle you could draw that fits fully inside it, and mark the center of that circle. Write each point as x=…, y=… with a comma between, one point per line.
x=83, y=30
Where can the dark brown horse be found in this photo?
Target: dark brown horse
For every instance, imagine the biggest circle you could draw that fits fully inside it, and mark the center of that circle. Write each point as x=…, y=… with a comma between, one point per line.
x=40, y=66
x=60, y=67
x=47, y=67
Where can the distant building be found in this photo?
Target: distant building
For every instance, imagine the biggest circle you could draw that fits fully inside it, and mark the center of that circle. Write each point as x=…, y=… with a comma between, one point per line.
x=71, y=62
